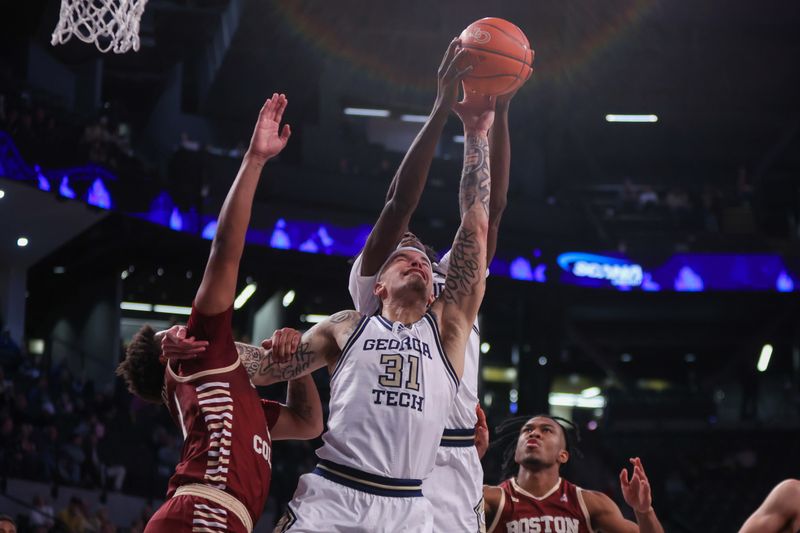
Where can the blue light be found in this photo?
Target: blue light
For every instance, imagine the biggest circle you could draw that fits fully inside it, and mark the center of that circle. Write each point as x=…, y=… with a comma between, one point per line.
x=280, y=239
x=64, y=189
x=309, y=246
x=620, y=272
x=98, y=195
x=521, y=269
x=648, y=284
x=176, y=220
x=688, y=281
x=513, y=408
x=540, y=273
x=784, y=283
x=324, y=237
x=42, y=181
x=210, y=230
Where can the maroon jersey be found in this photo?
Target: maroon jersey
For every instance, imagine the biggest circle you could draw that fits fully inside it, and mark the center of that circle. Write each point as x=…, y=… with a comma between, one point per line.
x=561, y=510
x=225, y=424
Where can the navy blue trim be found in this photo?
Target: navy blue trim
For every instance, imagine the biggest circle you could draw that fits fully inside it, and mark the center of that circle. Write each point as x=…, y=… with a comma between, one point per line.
x=476, y=330
x=360, y=327
x=457, y=438
x=387, y=323
x=365, y=482
x=447, y=365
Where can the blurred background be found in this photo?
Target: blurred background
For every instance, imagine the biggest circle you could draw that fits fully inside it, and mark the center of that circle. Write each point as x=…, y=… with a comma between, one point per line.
x=647, y=274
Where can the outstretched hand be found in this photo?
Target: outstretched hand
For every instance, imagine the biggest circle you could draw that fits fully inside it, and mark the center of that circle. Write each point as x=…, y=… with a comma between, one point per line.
x=636, y=491
x=504, y=100
x=450, y=74
x=481, y=432
x=267, y=142
x=476, y=111
x=283, y=343
x=175, y=345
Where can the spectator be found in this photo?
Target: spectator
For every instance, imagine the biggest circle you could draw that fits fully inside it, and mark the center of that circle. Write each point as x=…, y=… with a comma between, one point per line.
x=73, y=516
x=42, y=517
x=72, y=460
x=7, y=524
x=648, y=199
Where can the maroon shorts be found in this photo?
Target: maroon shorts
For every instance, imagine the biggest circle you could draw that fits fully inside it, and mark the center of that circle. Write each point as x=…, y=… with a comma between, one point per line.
x=186, y=513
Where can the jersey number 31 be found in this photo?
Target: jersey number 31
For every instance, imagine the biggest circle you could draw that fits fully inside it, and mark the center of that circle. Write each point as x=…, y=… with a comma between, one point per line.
x=393, y=367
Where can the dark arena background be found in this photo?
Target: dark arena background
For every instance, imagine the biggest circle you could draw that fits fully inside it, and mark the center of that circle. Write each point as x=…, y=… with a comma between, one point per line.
x=646, y=280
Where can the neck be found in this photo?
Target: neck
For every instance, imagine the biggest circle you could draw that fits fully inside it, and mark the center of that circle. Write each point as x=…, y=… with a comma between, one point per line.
x=537, y=481
x=398, y=311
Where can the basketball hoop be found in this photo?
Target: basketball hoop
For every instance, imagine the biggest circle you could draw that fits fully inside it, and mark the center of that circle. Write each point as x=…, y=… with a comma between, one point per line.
x=109, y=24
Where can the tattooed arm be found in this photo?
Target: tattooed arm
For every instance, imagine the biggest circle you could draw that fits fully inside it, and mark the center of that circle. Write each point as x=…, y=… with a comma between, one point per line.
x=409, y=181
x=457, y=306
x=319, y=346
x=301, y=417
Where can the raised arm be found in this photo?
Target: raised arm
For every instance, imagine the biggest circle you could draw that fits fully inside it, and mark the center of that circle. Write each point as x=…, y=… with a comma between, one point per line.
x=500, y=154
x=605, y=514
x=779, y=512
x=218, y=287
x=457, y=306
x=409, y=181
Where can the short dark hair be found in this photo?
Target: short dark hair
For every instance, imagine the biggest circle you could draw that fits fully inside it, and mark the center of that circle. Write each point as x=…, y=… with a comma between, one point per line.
x=141, y=369
x=508, y=432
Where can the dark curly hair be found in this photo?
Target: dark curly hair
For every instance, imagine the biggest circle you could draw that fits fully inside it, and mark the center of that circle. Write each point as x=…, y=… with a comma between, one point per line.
x=141, y=369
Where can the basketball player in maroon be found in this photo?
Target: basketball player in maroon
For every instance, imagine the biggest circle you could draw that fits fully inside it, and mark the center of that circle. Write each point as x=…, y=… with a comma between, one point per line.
x=538, y=500
x=222, y=480
x=780, y=512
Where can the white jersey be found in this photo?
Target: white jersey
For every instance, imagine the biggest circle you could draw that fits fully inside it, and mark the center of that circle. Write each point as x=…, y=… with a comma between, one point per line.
x=390, y=395
x=462, y=413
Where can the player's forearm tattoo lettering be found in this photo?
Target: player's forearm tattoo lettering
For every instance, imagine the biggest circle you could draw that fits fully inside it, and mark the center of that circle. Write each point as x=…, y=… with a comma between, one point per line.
x=475, y=179
x=464, y=271
x=300, y=362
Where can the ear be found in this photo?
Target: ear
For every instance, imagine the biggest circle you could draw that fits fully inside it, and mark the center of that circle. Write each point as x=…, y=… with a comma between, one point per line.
x=379, y=290
x=563, y=457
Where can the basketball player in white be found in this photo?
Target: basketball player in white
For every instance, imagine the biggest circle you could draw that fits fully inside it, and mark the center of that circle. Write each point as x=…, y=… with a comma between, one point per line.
x=394, y=376
x=455, y=485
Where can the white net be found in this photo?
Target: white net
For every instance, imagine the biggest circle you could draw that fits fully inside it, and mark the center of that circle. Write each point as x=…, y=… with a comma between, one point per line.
x=109, y=24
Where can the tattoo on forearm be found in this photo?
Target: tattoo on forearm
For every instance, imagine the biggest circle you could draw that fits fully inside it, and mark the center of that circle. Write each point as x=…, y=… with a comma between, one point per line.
x=301, y=361
x=475, y=179
x=464, y=269
x=251, y=357
x=297, y=399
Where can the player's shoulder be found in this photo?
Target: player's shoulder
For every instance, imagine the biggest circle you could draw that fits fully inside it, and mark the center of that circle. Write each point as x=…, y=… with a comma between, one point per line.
x=345, y=316
x=789, y=489
x=596, y=501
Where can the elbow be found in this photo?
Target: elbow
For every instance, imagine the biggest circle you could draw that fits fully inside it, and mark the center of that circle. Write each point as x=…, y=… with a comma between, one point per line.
x=313, y=428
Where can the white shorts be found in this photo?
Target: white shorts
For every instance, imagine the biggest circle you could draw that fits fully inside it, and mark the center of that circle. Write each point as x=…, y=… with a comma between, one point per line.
x=320, y=504
x=455, y=490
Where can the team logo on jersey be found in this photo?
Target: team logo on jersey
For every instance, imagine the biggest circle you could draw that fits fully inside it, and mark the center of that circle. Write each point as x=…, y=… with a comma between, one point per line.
x=480, y=36
x=544, y=524
x=564, y=498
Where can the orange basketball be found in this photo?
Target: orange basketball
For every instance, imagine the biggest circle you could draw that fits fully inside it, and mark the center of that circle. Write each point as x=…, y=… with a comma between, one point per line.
x=501, y=57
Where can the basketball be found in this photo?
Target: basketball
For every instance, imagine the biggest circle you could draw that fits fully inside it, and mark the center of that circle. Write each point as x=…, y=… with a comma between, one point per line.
x=501, y=57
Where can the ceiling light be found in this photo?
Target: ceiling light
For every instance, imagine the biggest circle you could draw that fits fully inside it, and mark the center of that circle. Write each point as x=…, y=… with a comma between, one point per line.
x=414, y=118
x=763, y=359
x=172, y=309
x=366, y=112
x=2, y=193
x=631, y=118
x=22, y=242
x=485, y=347
x=136, y=306
x=312, y=318
x=245, y=295
x=288, y=298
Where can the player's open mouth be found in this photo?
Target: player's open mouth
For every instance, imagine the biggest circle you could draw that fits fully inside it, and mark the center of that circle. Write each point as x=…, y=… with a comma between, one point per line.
x=418, y=271
x=533, y=443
